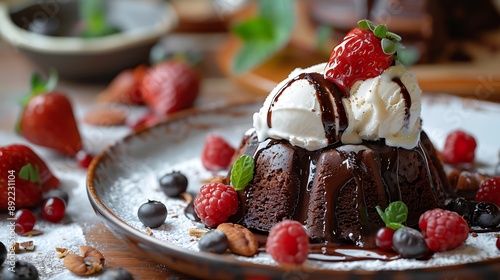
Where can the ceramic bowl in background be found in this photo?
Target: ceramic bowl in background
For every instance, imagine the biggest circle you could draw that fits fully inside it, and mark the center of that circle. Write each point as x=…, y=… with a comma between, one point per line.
x=141, y=24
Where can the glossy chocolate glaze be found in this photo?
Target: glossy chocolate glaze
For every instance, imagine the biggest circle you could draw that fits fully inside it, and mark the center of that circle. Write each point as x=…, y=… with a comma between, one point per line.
x=337, y=188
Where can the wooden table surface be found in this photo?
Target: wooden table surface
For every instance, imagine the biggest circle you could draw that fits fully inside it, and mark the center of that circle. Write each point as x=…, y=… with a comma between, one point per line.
x=15, y=72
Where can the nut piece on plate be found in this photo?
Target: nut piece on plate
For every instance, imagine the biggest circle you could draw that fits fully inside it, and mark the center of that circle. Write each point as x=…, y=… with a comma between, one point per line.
x=89, y=262
x=241, y=240
x=106, y=116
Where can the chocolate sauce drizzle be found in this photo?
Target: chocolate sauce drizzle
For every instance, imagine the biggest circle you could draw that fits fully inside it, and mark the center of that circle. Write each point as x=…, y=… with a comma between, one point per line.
x=406, y=98
x=324, y=90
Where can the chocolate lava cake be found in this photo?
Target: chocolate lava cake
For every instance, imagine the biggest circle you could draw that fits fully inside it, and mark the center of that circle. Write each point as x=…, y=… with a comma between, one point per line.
x=334, y=191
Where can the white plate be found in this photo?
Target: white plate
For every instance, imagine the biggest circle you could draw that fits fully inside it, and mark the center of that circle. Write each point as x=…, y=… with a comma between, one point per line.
x=125, y=176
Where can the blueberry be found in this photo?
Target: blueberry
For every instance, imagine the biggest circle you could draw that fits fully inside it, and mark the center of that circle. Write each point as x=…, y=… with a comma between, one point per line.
x=173, y=184
x=152, y=213
x=214, y=241
x=3, y=253
x=462, y=206
x=22, y=271
x=486, y=215
x=409, y=243
x=56, y=193
x=116, y=274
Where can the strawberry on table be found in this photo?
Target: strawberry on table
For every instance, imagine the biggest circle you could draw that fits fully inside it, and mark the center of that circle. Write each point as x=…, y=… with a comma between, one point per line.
x=170, y=86
x=48, y=120
x=23, y=177
x=365, y=52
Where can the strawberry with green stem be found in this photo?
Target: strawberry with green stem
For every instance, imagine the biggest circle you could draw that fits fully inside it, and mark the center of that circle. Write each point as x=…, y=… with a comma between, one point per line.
x=47, y=118
x=365, y=52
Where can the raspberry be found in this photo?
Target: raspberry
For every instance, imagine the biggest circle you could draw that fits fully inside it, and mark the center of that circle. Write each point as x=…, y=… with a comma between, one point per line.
x=489, y=191
x=217, y=153
x=215, y=203
x=459, y=148
x=443, y=230
x=288, y=242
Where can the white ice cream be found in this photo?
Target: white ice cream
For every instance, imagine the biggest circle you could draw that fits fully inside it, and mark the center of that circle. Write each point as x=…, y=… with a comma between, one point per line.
x=375, y=110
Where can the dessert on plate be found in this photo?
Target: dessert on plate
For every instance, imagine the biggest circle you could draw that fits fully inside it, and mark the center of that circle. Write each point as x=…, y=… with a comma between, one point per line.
x=335, y=140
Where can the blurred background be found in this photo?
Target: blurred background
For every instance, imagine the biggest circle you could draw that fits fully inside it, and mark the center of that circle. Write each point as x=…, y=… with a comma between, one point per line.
x=453, y=46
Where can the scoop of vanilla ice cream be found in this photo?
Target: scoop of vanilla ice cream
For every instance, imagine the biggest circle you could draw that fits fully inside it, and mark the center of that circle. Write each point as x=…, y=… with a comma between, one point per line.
x=296, y=115
x=376, y=109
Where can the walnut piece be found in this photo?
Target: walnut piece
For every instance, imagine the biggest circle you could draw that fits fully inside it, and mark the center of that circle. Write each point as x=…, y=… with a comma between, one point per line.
x=89, y=261
x=27, y=245
x=198, y=232
x=241, y=240
x=62, y=252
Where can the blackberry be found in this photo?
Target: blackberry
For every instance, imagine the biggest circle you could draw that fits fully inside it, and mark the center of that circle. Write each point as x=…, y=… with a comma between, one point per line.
x=3, y=253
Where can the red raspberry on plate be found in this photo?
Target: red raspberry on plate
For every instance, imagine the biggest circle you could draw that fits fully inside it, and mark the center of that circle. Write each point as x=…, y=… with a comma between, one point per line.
x=217, y=153
x=489, y=191
x=443, y=230
x=215, y=203
x=288, y=242
x=459, y=148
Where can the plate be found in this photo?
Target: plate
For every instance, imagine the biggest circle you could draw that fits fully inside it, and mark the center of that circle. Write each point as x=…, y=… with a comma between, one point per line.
x=124, y=176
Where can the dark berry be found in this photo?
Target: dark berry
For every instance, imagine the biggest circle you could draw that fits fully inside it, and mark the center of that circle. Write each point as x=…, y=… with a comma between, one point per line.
x=25, y=221
x=3, y=253
x=22, y=271
x=486, y=215
x=173, y=184
x=462, y=206
x=116, y=274
x=214, y=241
x=383, y=239
x=409, y=243
x=152, y=213
x=56, y=193
x=498, y=243
x=53, y=209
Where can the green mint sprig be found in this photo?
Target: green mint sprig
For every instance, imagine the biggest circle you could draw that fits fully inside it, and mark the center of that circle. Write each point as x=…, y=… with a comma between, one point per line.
x=394, y=215
x=390, y=40
x=242, y=172
x=264, y=34
x=93, y=14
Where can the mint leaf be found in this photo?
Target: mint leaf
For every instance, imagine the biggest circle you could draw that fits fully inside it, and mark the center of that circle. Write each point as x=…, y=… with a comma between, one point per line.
x=29, y=173
x=264, y=34
x=242, y=172
x=394, y=215
x=93, y=14
x=397, y=212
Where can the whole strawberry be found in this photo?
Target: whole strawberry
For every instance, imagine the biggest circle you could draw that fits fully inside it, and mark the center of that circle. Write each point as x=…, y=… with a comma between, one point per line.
x=365, y=52
x=48, y=120
x=20, y=181
x=170, y=86
x=443, y=230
